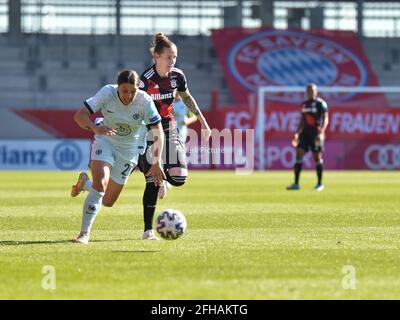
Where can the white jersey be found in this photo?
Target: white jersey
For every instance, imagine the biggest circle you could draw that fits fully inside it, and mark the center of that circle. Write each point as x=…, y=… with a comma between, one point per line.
x=128, y=121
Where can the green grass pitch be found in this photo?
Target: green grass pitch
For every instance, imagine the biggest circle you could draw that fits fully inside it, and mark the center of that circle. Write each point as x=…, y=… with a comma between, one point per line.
x=248, y=238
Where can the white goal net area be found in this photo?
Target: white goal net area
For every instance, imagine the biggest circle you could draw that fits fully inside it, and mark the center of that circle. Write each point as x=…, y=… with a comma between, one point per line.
x=363, y=130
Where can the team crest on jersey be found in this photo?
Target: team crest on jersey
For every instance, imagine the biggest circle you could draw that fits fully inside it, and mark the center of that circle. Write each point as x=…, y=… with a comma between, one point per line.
x=290, y=58
x=123, y=129
x=136, y=116
x=173, y=83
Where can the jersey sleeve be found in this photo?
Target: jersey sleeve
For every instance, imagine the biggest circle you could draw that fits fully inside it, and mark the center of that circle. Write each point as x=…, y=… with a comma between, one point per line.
x=324, y=106
x=182, y=85
x=144, y=84
x=99, y=100
x=151, y=115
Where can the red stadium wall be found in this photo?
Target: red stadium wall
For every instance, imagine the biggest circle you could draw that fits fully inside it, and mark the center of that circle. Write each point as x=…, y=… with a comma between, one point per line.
x=59, y=123
x=363, y=130
x=357, y=138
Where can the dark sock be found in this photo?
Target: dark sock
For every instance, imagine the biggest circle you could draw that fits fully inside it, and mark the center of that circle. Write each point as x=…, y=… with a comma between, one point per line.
x=297, y=170
x=319, y=167
x=149, y=205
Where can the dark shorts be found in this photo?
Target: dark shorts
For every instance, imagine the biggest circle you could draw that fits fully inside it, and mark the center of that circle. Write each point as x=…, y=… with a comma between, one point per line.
x=174, y=153
x=310, y=143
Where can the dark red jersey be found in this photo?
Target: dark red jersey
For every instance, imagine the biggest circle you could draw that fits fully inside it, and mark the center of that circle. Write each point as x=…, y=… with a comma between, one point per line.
x=313, y=112
x=163, y=90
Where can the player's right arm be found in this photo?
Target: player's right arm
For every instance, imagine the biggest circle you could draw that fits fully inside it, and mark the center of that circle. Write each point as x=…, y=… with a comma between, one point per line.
x=296, y=134
x=153, y=120
x=91, y=106
x=156, y=171
x=82, y=118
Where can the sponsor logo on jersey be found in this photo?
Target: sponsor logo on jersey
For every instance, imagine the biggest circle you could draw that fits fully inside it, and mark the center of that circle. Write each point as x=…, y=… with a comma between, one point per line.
x=123, y=129
x=136, y=116
x=292, y=58
x=311, y=110
x=159, y=96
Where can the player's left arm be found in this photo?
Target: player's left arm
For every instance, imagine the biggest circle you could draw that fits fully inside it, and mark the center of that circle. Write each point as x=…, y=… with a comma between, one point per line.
x=193, y=107
x=325, y=122
x=189, y=119
x=325, y=119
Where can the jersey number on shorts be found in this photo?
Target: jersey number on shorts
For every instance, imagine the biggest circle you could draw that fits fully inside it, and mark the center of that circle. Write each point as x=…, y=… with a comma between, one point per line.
x=127, y=170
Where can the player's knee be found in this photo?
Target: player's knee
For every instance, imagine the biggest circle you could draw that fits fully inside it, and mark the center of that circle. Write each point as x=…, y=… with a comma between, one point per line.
x=100, y=186
x=298, y=164
x=318, y=159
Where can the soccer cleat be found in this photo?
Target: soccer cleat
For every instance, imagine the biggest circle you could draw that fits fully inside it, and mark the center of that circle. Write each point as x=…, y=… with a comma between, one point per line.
x=80, y=185
x=319, y=187
x=82, y=238
x=294, y=186
x=149, y=235
x=162, y=192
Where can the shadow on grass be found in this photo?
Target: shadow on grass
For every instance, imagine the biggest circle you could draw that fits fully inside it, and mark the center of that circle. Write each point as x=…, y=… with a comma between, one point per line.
x=21, y=243
x=135, y=251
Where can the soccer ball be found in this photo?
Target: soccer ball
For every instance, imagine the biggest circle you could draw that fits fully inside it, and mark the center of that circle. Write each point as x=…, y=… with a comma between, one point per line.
x=171, y=224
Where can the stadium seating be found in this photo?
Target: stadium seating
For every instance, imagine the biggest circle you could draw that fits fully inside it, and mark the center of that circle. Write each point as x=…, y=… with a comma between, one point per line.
x=60, y=71
x=57, y=71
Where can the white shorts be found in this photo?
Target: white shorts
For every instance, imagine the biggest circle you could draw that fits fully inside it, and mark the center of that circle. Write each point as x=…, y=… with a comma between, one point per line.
x=121, y=167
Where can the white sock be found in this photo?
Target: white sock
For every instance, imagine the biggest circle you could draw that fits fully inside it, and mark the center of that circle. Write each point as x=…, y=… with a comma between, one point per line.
x=88, y=185
x=91, y=208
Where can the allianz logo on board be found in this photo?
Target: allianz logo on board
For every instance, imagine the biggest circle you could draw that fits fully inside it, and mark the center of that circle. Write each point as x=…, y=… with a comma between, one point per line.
x=65, y=155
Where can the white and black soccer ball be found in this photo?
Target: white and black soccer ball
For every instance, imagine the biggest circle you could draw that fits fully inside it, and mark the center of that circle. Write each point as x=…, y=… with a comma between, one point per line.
x=171, y=224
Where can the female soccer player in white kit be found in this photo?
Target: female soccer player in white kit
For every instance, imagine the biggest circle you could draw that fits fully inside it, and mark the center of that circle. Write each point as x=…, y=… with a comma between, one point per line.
x=117, y=144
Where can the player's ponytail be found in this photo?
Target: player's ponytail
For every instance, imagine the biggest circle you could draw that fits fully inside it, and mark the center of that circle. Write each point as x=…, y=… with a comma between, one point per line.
x=161, y=42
